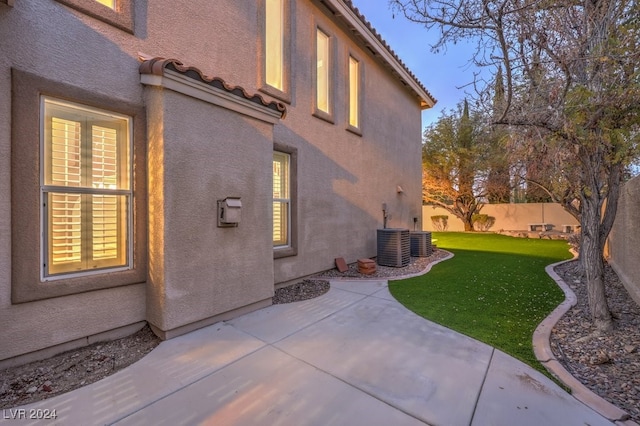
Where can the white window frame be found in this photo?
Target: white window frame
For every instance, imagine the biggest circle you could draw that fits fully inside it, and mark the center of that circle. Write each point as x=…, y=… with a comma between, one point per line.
x=45, y=189
x=285, y=162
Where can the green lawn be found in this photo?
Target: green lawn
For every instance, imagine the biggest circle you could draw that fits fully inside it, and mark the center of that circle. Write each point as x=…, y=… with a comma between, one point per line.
x=494, y=289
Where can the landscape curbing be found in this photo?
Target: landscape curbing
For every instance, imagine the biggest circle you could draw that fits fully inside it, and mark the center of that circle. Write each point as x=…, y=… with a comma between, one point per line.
x=544, y=354
x=425, y=270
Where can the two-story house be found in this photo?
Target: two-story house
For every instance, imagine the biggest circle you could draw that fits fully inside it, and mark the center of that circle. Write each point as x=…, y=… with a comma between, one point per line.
x=171, y=162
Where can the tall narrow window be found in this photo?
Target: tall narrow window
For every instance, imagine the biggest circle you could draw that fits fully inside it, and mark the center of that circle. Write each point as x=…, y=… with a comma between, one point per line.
x=274, y=43
x=86, y=188
x=281, y=200
x=354, y=92
x=323, y=71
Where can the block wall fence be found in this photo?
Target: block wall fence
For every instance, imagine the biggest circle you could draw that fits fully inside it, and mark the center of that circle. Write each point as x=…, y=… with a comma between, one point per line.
x=509, y=217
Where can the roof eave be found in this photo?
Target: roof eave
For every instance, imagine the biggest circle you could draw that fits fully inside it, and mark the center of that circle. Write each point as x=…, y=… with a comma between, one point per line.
x=344, y=10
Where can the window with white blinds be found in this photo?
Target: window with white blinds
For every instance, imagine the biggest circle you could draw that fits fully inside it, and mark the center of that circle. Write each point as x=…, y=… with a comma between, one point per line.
x=86, y=188
x=281, y=200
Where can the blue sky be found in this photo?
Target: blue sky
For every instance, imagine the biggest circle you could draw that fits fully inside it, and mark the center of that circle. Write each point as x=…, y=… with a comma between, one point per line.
x=443, y=74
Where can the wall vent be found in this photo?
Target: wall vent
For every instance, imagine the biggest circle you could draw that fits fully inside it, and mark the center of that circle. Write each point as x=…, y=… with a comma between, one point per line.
x=393, y=247
x=421, y=244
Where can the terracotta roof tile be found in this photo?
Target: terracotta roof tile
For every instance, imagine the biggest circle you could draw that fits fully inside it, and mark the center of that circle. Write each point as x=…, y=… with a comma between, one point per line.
x=157, y=65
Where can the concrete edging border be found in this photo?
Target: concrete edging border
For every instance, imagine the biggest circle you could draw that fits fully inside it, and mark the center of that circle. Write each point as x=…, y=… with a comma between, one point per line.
x=544, y=354
x=448, y=256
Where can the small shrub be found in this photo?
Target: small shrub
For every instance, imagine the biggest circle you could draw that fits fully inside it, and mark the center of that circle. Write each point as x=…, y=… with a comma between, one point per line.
x=482, y=222
x=440, y=222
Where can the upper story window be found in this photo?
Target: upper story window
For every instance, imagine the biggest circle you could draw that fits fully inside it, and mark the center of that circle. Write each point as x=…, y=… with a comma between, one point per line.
x=276, y=49
x=274, y=43
x=322, y=76
x=118, y=13
x=85, y=188
x=323, y=73
x=354, y=93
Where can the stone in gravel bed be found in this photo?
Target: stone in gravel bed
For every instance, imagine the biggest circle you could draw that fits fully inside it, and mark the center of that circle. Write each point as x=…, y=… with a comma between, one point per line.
x=605, y=364
x=305, y=290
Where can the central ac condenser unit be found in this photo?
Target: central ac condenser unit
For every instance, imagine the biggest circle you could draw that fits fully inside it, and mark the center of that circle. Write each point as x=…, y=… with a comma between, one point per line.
x=421, y=244
x=393, y=247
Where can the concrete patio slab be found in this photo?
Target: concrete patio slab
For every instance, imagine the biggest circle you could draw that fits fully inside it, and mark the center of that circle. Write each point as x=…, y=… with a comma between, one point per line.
x=386, y=351
x=513, y=390
x=351, y=356
x=360, y=287
x=269, y=387
x=170, y=367
x=279, y=321
x=377, y=288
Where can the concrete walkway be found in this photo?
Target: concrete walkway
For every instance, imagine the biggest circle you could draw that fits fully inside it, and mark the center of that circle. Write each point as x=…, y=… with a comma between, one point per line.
x=353, y=356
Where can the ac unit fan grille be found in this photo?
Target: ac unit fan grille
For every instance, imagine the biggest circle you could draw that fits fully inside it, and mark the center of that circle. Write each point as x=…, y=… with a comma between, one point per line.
x=394, y=247
x=421, y=244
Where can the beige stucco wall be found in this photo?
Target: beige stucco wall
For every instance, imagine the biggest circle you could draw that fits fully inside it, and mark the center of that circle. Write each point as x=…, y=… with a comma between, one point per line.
x=42, y=38
x=342, y=181
x=509, y=217
x=624, y=239
x=200, y=153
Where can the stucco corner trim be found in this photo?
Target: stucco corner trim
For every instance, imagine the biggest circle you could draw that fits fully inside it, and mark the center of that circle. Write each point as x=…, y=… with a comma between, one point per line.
x=171, y=74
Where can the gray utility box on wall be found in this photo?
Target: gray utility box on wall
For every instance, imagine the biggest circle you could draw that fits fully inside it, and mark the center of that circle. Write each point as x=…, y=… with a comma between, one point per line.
x=421, y=244
x=393, y=247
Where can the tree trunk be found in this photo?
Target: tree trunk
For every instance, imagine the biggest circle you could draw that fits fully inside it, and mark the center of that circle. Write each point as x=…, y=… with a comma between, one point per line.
x=591, y=258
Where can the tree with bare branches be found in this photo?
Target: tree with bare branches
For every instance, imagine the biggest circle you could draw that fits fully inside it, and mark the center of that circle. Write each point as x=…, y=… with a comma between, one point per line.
x=571, y=71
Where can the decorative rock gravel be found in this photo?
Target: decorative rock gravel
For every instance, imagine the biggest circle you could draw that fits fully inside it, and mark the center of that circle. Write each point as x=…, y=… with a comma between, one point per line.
x=318, y=284
x=415, y=266
x=609, y=365
x=307, y=289
x=64, y=372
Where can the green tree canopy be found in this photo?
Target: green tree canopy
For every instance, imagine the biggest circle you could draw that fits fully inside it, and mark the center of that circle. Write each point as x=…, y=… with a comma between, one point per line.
x=456, y=159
